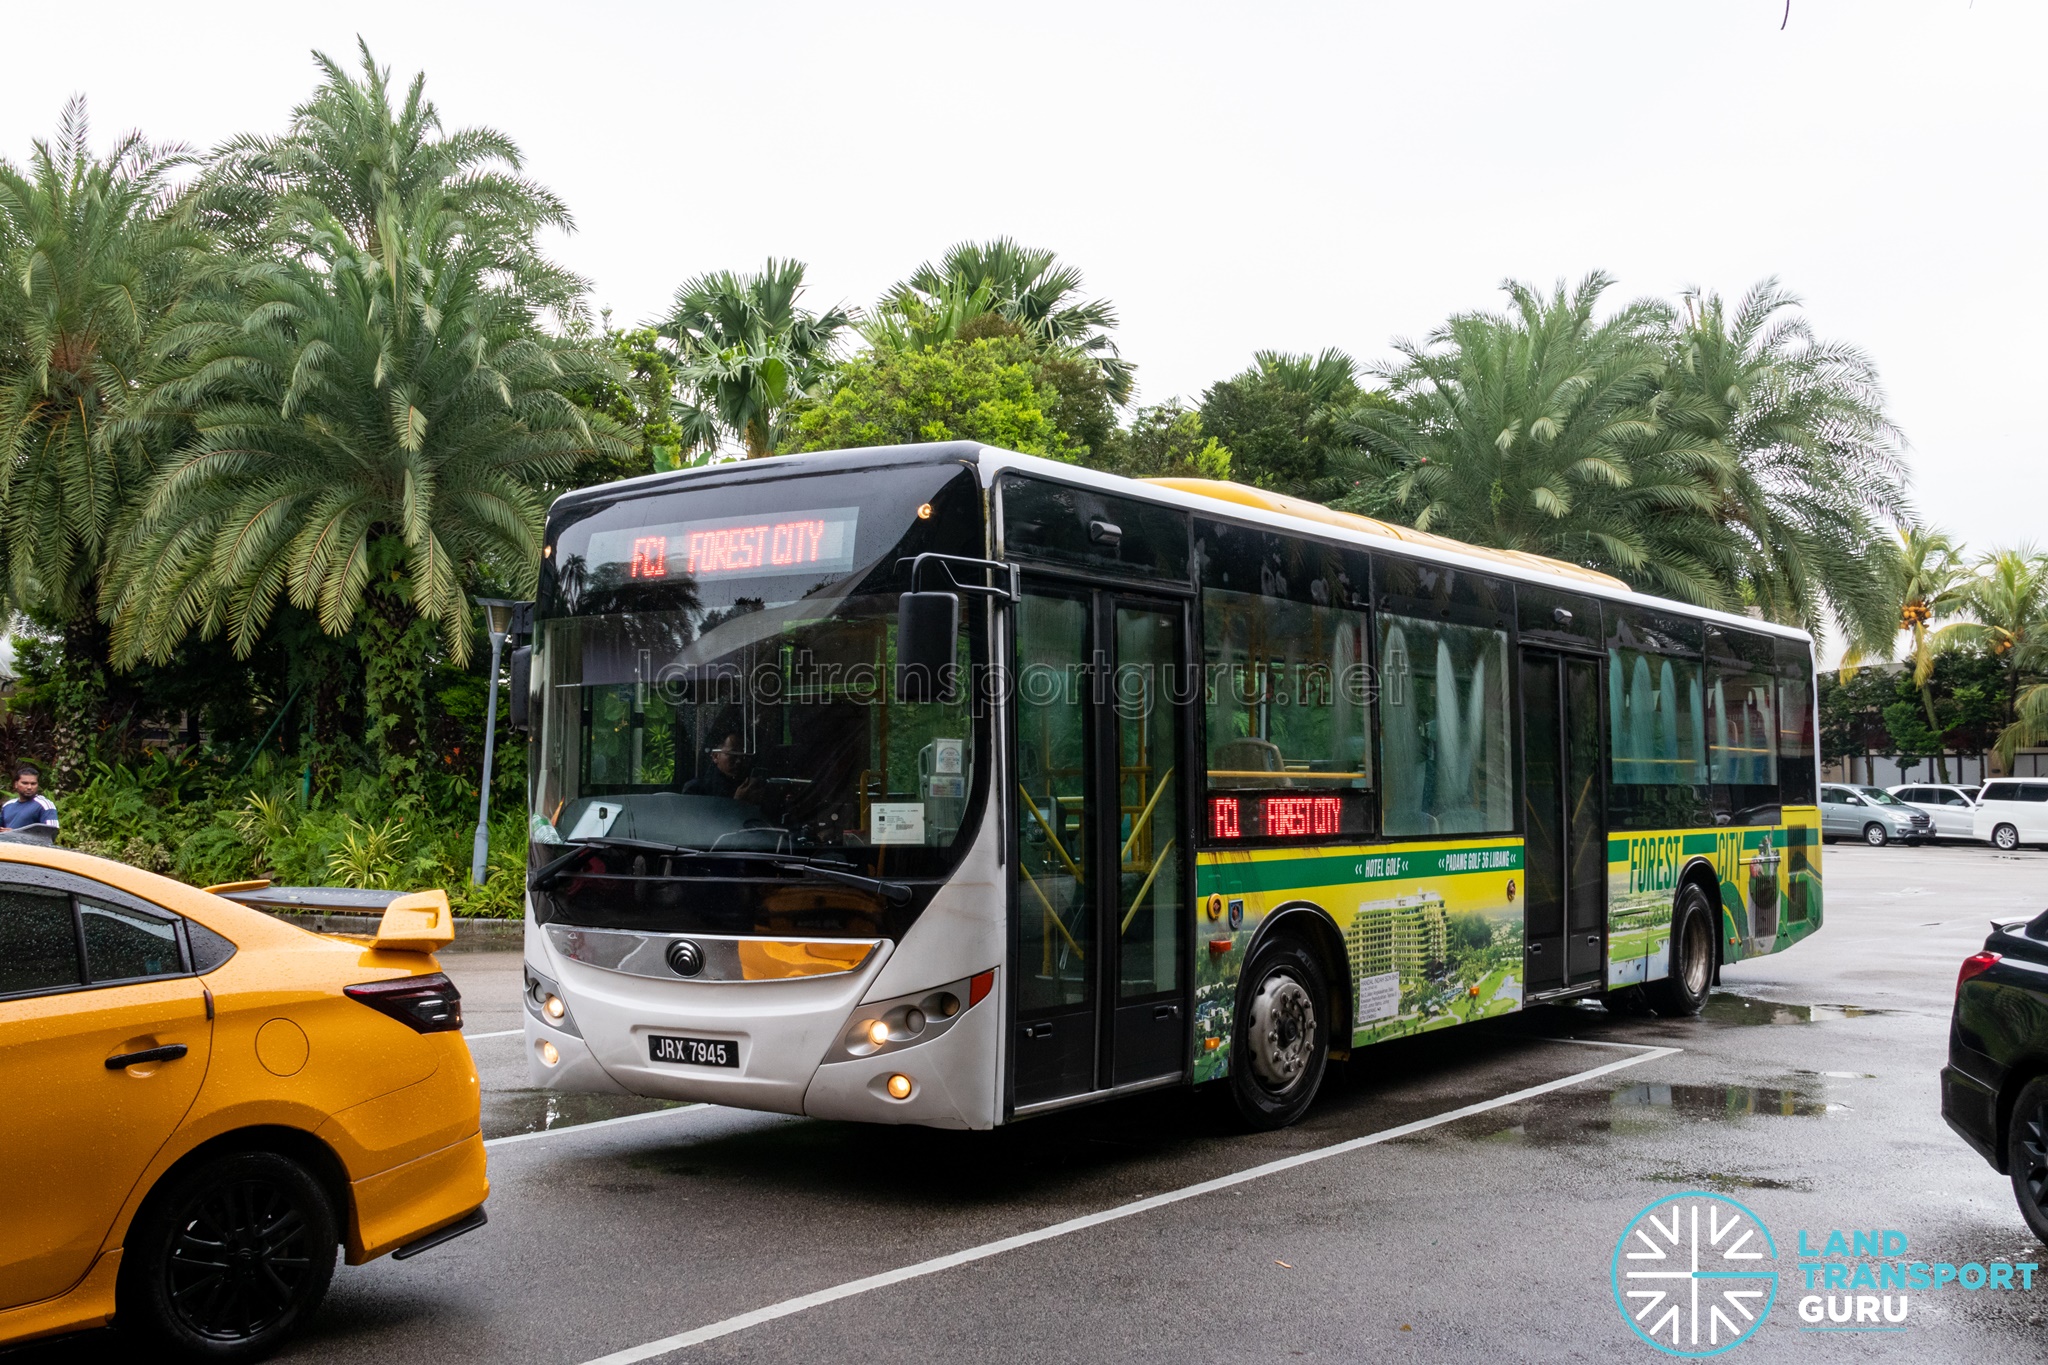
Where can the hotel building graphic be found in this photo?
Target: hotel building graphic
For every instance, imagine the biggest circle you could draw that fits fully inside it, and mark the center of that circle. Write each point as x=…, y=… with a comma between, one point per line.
x=1406, y=935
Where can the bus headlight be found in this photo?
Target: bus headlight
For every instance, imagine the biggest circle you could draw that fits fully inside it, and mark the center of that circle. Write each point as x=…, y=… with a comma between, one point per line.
x=906, y=1020
x=554, y=1007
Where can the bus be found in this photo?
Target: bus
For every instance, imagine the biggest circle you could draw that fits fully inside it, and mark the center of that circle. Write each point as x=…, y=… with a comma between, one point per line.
x=944, y=785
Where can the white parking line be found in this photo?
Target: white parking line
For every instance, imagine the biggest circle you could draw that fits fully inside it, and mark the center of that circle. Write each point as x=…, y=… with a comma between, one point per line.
x=510, y=1138
x=501, y=1033
x=788, y=1307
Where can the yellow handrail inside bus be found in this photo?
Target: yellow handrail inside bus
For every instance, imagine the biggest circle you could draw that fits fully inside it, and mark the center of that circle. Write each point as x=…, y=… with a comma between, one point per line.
x=1144, y=818
x=1052, y=915
x=1051, y=834
x=1139, y=899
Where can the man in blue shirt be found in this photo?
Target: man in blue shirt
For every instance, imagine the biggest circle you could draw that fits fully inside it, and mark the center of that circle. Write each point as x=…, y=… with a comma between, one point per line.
x=30, y=807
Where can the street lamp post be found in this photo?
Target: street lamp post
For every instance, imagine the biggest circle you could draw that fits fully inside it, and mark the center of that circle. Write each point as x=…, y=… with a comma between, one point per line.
x=498, y=617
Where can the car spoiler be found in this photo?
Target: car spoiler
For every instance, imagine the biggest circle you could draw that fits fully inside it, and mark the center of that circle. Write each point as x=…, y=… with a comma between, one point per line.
x=411, y=921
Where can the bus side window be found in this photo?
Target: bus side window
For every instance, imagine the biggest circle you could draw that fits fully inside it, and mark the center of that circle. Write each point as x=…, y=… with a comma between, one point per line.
x=1445, y=728
x=1797, y=775
x=1656, y=716
x=1286, y=687
x=1742, y=728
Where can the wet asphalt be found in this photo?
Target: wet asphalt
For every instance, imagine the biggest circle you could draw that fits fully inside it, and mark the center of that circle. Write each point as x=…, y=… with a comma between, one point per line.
x=1808, y=1091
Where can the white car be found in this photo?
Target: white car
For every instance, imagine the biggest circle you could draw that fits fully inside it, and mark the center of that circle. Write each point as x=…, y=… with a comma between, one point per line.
x=1954, y=808
x=2012, y=811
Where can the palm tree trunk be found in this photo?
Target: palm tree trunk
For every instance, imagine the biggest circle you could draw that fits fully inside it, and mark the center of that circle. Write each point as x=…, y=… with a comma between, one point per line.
x=1940, y=747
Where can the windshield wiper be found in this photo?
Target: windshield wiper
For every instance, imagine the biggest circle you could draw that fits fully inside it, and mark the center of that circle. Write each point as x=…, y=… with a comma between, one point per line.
x=896, y=893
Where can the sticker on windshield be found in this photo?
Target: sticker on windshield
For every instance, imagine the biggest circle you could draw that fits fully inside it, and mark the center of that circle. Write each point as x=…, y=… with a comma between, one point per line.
x=896, y=822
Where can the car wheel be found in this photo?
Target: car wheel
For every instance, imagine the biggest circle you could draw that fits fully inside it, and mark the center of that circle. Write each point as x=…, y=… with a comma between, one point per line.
x=231, y=1258
x=2006, y=837
x=2027, y=1155
x=1283, y=1034
x=1875, y=836
x=1684, y=991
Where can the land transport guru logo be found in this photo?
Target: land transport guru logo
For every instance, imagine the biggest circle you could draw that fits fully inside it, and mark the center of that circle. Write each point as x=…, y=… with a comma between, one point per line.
x=1695, y=1274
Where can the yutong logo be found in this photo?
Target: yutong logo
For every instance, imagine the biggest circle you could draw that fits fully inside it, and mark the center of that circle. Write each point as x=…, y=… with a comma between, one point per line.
x=1694, y=1274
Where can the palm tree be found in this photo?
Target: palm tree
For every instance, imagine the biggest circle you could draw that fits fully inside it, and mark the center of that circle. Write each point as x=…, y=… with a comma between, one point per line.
x=1024, y=285
x=351, y=157
x=1326, y=379
x=2006, y=599
x=747, y=351
x=1928, y=580
x=1816, y=471
x=96, y=257
x=1538, y=429
x=357, y=454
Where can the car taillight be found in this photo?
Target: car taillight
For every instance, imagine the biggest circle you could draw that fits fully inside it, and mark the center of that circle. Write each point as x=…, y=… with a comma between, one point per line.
x=424, y=1004
x=1975, y=965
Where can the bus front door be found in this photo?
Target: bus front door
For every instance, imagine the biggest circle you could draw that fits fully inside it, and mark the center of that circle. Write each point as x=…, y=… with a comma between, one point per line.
x=1565, y=853
x=1099, y=976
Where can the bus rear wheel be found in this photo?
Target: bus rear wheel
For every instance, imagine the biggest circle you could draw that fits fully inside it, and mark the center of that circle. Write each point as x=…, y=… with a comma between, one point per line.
x=1684, y=991
x=1282, y=1043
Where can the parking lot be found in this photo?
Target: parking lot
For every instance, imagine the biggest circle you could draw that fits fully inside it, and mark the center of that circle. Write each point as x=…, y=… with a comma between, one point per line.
x=1453, y=1197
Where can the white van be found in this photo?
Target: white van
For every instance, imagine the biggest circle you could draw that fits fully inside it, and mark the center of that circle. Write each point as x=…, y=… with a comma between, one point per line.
x=2012, y=811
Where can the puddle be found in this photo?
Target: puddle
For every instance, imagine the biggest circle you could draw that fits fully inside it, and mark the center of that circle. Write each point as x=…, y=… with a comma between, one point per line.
x=1725, y=1007
x=1572, y=1116
x=1719, y=1101
x=1841, y=1075
x=507, y=1112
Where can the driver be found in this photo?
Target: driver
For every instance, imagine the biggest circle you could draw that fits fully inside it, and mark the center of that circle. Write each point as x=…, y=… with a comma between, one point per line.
x=727, y=776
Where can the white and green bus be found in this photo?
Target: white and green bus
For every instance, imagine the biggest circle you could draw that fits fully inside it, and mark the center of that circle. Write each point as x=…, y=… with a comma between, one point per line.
x=944, y=785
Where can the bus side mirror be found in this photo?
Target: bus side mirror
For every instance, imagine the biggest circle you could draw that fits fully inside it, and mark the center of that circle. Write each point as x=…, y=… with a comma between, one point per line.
x=927, y=646
x=518, y=708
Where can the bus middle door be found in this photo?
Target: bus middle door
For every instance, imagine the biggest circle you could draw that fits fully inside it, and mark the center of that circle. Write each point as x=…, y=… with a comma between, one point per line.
x=1099, y=979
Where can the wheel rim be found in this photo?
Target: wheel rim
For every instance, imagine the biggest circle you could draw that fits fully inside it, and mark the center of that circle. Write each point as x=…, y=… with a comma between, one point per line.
x=1874, y=836
x=2005, y=836
x=2033, y=1145
x=1282, y=1032
x=1696, y=967
x=241, y=1261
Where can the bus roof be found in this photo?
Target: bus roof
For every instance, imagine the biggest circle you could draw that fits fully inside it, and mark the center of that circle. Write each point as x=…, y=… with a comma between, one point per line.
x=1213, y=496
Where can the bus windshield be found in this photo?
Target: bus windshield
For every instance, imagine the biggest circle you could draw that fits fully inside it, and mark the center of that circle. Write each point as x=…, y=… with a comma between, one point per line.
x=716, y=674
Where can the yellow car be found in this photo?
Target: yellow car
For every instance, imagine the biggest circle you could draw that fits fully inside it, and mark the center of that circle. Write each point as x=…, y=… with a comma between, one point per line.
x=199, y=1102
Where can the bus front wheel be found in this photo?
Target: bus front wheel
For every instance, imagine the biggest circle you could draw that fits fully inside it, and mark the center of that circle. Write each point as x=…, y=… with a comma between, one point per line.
x=1684, y=991
x=1283, y=1034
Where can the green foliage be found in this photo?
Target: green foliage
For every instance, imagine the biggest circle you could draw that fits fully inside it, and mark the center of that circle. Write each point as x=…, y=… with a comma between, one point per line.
x=1279, y=419
x=1852, y=710
x=748, y=353
x=1165, y=442
x=188, y=819
x=999, y=390
x=1814, y=470
x=96, y=256
x=1023, y=286
x=1724, y=458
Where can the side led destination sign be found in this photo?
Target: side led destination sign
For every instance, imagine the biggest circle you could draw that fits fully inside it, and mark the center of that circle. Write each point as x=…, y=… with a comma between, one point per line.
x=819, y=540
x=1285, y=817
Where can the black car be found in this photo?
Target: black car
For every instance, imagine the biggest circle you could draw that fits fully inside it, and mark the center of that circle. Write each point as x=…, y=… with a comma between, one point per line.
x=1994, y=1090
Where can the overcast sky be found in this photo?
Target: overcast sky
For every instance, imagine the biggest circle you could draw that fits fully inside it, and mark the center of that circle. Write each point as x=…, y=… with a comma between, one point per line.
x=1236, y=177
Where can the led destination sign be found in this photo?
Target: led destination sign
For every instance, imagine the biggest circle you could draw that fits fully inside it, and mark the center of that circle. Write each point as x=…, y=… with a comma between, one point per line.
x=820, y=540
x=1285, y=817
